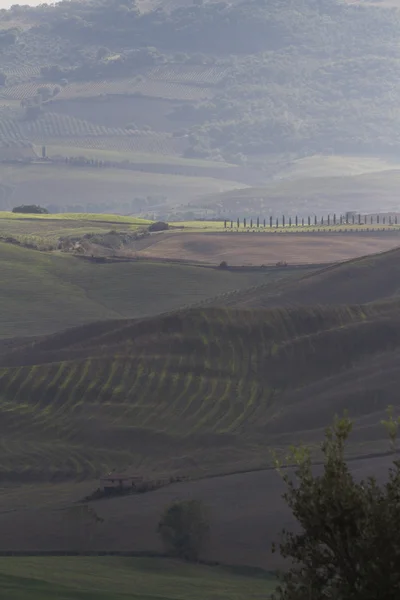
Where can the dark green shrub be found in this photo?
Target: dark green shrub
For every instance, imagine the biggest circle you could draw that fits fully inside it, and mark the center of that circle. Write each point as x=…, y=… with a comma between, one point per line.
x=184, y=529
x=159, y=226
x=32, y=209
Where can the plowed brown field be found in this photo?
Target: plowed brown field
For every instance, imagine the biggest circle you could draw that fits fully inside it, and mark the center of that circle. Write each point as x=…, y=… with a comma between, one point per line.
x=267, y=248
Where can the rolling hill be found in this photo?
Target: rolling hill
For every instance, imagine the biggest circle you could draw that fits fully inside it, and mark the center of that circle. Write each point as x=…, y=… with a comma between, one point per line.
x=201, y=391
x=44, y=292
x=362, y=280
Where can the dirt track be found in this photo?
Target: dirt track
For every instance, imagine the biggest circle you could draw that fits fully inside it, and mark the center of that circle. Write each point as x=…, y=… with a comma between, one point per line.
x=266, y=248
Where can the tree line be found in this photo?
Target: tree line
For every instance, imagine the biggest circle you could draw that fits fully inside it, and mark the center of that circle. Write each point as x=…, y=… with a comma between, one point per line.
x=328, y=220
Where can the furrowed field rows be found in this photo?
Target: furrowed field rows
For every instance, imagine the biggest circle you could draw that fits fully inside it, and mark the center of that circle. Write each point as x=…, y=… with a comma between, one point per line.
x=147, y=386
x=23, y=71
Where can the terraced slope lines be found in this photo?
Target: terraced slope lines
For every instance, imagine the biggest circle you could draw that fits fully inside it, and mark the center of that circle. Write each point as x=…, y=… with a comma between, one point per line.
x=196, y=392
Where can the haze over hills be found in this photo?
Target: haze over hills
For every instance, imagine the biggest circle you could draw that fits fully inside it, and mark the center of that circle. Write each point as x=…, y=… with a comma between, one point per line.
x=195, y=337
x=275, y=85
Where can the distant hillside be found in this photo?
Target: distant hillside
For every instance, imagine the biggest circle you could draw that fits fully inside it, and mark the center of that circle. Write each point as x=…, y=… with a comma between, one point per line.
x=197, y=392
x=248, y=80
x=367, y=279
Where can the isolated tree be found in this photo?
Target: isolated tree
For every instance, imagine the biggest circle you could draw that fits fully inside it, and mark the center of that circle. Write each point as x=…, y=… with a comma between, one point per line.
x=184, y=529
x=348, y=546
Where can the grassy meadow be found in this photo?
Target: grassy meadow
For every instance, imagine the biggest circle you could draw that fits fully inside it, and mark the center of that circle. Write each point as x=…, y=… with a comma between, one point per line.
x=45, y=292
x=124, y=579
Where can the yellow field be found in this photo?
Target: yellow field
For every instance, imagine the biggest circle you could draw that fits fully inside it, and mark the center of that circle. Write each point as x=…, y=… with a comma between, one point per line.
x=111, y=219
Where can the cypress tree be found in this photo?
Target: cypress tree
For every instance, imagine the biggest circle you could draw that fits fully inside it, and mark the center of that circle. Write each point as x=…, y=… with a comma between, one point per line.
x=244, y=222
x=251, y=222
x=258, y=221
x=238, y=223
x=283, y=220
x=270, y=221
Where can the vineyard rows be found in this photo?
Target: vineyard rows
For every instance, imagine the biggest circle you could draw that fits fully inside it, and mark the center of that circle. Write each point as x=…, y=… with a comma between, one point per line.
x=53, y=125
x=21, y=91
x=205, y=372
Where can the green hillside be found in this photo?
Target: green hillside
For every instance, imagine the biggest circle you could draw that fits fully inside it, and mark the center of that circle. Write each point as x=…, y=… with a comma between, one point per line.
x=123, y=579
x=198, y=391
x=44, y=292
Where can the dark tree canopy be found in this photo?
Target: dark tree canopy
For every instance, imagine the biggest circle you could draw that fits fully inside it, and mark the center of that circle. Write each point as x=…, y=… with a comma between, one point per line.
x=184, y=529
x=348, y=547
x=30, y=209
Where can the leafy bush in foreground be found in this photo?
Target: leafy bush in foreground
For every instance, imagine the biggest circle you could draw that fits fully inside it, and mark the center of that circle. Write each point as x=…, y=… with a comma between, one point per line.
x=348, y=547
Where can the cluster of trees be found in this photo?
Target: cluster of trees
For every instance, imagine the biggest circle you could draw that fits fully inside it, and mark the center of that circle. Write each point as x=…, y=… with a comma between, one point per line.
x=304, y=77
x=33, y=209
